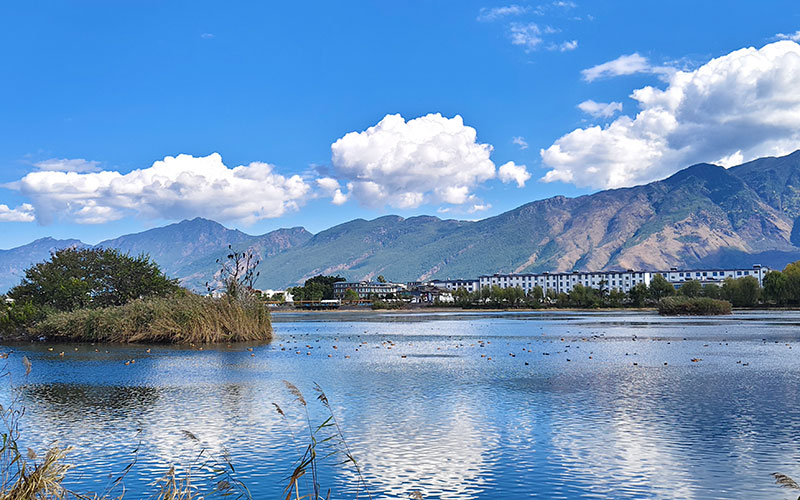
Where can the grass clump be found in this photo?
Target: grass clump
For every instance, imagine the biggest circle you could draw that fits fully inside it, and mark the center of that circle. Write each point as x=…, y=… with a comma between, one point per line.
x=180, y=318
x=693, y=306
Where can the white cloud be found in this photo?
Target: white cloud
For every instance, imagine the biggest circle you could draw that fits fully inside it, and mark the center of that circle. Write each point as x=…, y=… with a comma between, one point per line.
x=430, y=159
x=565, y=5
x=625, y=65
x=520, y=141
x=68, y=165
x=526, y=35
x=565, y=46
x=23, y=213
x=172, y=188
x=207, y=36
x=330, y=187
x=731, y=160
x=511, y=172
x=600, y=109
x=791, y=36
x=737, y=107
x=479, y=207
x=493, y=14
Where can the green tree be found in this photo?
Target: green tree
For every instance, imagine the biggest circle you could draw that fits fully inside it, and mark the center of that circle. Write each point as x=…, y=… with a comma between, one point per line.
x=350, y=295
x=638, y=295
x=582, y=296
x=712, y=291
x=615, y=298
x=75, y=278
x=691, y=288
x=514, y=296
x=741, y=292
x=660, y=288
x=776, y=288
x=320, y=287
x=381, y=279
x=792, y=273
x=462, y=296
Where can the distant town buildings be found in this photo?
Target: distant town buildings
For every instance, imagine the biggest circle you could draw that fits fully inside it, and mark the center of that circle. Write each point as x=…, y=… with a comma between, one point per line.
x=622, y=281
x=366, y=289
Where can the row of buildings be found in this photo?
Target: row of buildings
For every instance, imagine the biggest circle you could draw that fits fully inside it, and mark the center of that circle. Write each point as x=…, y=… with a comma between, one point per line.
x=622, y=281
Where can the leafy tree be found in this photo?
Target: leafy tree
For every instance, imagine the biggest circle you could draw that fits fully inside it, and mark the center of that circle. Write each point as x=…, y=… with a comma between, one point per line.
x=462, y=296
x=776, y=287
x=582, y=296
x=712, y=291
x=514, y=296
x=381, y=279
x=741, y=292
x=350, y=295
x=691, y=288
x=638, y=294
x=298, y=293
x=660, y=288
x=616, y=298
x=792, y=273
x=75, y=278
x=536, y=294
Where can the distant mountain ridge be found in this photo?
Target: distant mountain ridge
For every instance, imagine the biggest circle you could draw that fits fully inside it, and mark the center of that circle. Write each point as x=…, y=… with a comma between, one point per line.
x=703, y=215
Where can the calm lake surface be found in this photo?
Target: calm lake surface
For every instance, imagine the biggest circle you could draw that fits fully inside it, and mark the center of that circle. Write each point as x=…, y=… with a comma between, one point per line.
x=570, y=405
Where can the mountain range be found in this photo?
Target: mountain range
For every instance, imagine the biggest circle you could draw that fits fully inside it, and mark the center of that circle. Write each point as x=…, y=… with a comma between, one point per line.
x=704, y=215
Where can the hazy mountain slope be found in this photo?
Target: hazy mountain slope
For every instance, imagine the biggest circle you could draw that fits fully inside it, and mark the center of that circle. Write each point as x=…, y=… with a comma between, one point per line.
x=188, y=249
x=391, y=245
x=13, y=262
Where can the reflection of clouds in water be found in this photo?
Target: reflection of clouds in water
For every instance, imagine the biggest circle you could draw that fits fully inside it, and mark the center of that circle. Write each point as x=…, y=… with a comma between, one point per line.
x=442, y=451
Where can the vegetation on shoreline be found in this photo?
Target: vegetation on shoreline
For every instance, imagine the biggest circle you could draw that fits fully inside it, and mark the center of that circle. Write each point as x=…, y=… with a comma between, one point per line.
x=680, y=306
x=180, y=318
x=101, y=295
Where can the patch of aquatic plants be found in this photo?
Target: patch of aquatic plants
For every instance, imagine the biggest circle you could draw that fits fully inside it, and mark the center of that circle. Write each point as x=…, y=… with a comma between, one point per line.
x=180, y=318
x=679, y=306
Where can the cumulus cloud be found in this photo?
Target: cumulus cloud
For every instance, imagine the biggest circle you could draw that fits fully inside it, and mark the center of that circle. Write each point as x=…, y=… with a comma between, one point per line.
x=625, y=65
x=172, y=188
x=789, y=36
x=527, y=35
x=23, y=213
x=493, y=14
x=511, y=172
x=520, y=141
x=600, y=109
x=403, y=164
x=68, y=165
x=564, y=46
x=736, y=107
x=330, y=187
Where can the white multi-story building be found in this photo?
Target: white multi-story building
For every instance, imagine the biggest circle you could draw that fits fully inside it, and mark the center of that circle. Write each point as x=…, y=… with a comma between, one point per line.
x=615, y=280
x=366, y=289
x=453, y=285
x=564, y=282
x=713, y=276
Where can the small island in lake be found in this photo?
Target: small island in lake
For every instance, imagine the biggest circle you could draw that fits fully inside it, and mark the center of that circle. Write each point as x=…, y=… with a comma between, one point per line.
x=103, y=295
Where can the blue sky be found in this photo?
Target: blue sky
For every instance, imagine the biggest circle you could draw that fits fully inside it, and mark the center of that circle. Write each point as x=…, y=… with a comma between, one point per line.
x=91, y=91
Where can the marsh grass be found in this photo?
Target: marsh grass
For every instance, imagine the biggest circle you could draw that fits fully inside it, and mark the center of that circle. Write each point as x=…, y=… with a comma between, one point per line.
x=693, y=306
x=325, y=442
x=181, y=318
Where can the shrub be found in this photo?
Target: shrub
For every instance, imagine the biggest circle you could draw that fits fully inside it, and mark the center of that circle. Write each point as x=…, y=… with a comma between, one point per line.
x=75, y=278
x=676, y=306
x=181, y=318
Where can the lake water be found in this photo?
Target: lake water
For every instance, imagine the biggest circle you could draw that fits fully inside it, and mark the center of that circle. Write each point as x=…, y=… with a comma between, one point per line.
x=453, y=405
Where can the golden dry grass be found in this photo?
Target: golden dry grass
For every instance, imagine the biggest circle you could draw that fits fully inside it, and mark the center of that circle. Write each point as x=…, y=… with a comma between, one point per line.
x=183, y=318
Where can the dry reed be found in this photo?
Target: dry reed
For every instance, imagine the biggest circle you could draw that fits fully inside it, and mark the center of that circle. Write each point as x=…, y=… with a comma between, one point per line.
x=182, y=318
